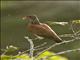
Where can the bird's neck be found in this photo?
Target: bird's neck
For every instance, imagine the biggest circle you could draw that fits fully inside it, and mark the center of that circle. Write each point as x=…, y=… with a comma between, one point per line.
x=35, y=21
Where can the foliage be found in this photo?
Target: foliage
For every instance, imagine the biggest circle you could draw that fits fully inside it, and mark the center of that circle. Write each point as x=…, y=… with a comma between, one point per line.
x=76, y=21
x=26, y=57
x=44, y=55
x=21, y=57
x=13, y=27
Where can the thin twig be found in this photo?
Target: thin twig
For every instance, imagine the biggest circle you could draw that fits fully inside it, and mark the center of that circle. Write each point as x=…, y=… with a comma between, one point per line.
x=66, y=35
x=72, y=27
x=35, y=48
x=62, y=52
x=78, y=32
x=74, y=32
x=4, y=52
x=67, y=51
x=41, y=45
x=56, y=44
x=31, y=47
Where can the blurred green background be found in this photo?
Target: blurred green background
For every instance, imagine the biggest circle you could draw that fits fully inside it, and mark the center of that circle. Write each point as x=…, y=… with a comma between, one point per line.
x=13, y=28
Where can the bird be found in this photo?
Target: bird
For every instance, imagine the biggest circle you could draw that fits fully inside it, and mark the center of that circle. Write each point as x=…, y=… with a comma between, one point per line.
x=41, y=29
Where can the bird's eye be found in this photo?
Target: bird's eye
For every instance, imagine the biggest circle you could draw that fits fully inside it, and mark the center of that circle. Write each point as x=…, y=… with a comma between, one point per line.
x=29, y=16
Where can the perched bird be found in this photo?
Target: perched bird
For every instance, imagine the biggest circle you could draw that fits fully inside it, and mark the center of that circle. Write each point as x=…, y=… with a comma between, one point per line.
x=41, y=29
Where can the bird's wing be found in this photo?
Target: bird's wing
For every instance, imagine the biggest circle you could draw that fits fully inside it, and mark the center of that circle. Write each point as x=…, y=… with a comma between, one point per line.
x=43, y=30
x=50, y=31
x=38, y=30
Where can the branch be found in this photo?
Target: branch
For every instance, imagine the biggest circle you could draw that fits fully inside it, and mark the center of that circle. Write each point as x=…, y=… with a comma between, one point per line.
x=67, y=35
x=63, y=52
x=56, y=44
x=72, y=28
x=74, y=32
x=31, y=47
x=35, y=48
x=67, y=51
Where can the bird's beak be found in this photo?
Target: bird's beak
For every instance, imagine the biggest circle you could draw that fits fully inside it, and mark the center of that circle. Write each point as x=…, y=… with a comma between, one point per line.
x=24, y=18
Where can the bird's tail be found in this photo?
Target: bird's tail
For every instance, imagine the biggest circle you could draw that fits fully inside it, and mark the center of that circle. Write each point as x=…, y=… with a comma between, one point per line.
x=58, y=40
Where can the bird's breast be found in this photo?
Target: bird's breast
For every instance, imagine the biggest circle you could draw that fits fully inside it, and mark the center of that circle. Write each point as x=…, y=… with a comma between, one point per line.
x=35, y=29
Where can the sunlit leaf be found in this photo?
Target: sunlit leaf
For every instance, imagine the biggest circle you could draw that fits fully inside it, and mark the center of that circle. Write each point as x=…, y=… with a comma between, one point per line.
x=76, y=21
x=46, y=55
x=17, y=57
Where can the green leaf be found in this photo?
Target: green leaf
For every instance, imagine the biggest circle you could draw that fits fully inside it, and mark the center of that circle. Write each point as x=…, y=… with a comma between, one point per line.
x=23, y=57
x=47, y=55
x=17, y=57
